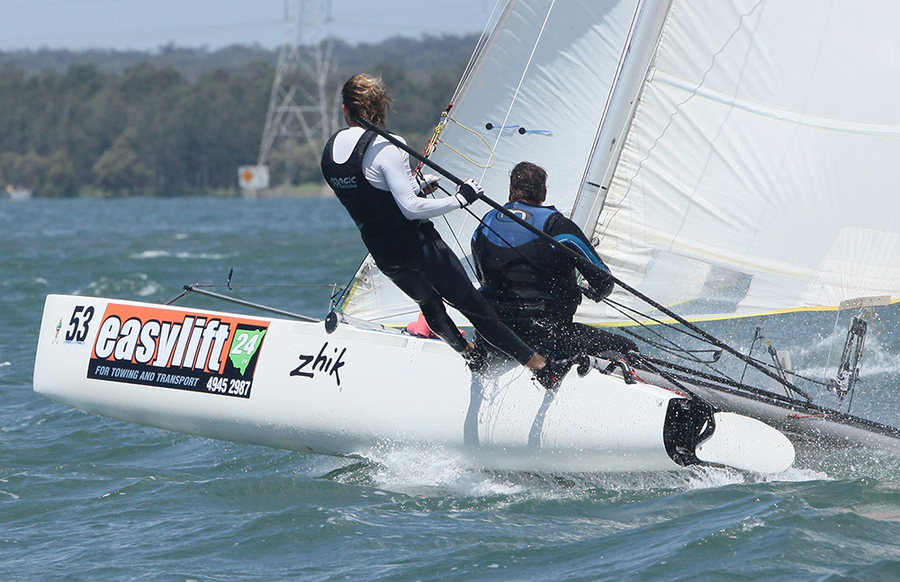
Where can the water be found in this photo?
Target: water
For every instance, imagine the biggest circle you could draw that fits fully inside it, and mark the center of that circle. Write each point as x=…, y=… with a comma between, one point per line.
x=85, y=498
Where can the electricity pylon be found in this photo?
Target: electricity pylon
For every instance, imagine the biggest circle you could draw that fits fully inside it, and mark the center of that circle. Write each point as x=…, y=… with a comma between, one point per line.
x=301, y=113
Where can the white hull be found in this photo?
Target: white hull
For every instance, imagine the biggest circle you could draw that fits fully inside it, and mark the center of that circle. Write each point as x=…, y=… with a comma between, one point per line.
x=288, y=384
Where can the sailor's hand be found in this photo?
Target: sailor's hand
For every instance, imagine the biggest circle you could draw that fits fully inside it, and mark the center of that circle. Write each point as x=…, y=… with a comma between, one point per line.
x=469, y=191
x=598, y=292
x=428, y=183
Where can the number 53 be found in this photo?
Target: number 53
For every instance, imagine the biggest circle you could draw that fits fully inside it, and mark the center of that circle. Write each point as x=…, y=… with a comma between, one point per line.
x=78, y=324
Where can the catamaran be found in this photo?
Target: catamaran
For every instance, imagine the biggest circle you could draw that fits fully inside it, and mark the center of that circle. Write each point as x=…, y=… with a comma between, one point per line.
x=728, y=158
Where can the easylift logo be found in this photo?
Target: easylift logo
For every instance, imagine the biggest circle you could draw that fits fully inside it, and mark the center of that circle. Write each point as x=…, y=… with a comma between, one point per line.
x=174, y=349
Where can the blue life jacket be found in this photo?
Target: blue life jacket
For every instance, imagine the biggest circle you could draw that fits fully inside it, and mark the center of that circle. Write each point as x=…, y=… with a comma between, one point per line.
x=521, y=274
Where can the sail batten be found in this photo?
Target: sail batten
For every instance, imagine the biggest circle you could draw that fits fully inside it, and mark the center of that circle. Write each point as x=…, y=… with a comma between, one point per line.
x=777, y=113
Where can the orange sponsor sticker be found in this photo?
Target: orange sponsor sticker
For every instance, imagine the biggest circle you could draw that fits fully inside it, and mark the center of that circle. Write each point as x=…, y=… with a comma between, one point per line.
x=176, y=349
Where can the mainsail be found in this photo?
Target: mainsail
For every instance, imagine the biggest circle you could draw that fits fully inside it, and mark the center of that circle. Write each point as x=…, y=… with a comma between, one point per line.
x=729, y=157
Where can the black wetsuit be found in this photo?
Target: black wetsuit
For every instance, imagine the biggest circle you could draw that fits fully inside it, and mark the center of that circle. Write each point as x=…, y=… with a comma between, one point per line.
x=534, y=287
x=413, y=255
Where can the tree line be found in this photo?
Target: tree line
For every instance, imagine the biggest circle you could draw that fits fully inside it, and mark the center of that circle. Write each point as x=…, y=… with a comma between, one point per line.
x=156, y=128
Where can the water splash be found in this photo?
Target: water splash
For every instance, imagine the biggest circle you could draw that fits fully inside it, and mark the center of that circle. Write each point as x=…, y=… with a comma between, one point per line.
x=434, y=472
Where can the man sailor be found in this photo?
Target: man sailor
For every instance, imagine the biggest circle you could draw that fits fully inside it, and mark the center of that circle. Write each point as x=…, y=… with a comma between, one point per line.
x=533, y=286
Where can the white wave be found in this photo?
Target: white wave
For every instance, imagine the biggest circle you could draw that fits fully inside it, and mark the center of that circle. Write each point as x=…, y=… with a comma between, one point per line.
x=151, y=288
x=203, y=256
x=157, y=254
x=140, y=284
x=429, y=472
x=876, y=360
x=150, y=255
x=12, y=495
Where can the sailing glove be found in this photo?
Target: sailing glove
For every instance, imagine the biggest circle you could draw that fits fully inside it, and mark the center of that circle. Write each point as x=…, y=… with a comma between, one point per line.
x=469, y=191
x=427, y=183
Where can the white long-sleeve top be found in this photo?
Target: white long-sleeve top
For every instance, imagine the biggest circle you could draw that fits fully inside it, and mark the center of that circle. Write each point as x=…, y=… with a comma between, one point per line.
x=386, y=167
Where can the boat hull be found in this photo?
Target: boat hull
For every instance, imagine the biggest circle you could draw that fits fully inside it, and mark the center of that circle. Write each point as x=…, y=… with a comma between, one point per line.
x=294, y=385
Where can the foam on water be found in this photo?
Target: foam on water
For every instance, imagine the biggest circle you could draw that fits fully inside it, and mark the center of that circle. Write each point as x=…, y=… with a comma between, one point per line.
x=158, y=254
x=139, y=284
x=433, y=472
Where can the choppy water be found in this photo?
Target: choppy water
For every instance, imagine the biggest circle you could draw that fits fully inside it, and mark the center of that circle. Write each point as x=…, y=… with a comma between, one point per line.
x=87, y=498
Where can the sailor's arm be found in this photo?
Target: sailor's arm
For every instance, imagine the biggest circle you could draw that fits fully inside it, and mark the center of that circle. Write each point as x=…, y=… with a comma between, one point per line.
x=394, y=166
x=589, y=263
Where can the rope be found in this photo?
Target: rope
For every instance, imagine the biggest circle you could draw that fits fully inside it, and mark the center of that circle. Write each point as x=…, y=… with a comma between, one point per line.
x=440, y=128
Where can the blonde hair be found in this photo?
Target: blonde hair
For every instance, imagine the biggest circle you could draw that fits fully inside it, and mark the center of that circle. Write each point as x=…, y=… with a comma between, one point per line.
x=366, y=96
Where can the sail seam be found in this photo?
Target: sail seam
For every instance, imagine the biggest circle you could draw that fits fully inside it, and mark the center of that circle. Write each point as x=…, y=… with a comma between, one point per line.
x=774, y=112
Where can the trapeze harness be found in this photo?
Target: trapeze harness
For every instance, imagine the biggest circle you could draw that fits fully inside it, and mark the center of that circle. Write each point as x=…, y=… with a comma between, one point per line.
x=389, y=236
x=413, y=255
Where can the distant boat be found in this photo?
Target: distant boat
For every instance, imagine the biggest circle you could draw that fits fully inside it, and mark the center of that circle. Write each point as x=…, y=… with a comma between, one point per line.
x=17, y=193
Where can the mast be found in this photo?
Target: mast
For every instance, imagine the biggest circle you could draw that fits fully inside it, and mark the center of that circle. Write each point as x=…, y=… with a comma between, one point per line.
x=617, y=120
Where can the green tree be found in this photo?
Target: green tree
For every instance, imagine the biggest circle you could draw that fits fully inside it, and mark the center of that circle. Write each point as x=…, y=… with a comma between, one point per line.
x=51, y=176
x=182, y=121
x=120, y=170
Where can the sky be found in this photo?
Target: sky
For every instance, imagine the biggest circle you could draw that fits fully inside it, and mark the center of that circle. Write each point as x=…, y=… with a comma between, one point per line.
x=147, y=25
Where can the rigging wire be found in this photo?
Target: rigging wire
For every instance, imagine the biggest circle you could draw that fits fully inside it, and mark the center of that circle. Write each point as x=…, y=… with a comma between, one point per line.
x=686, y=354
x=515, y=97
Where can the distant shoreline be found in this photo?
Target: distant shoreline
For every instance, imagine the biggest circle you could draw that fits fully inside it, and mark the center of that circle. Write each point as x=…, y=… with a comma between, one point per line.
x=310, y=190
x=303, y=191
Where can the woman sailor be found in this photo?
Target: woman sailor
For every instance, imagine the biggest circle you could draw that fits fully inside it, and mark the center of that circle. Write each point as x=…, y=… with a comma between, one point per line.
x=372, y=179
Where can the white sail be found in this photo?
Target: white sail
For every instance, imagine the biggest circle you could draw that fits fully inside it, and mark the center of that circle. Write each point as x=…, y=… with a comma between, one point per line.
x=760, y=168
x=546, y=70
